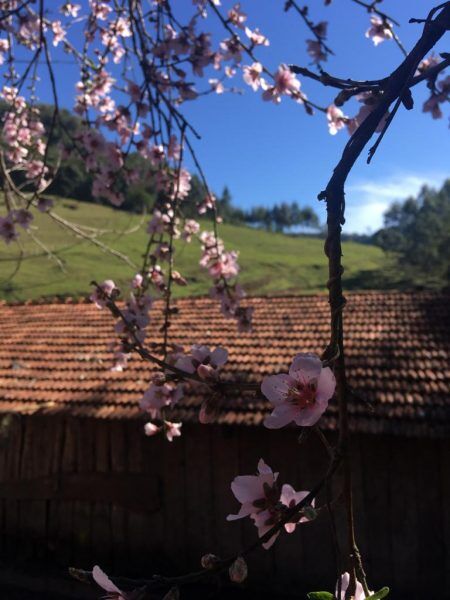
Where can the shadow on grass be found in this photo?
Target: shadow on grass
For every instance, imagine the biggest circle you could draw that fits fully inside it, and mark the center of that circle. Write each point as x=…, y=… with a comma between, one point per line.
x=389, y=279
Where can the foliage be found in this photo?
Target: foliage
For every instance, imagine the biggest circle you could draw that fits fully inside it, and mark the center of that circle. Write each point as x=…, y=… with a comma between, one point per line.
x=418, y=232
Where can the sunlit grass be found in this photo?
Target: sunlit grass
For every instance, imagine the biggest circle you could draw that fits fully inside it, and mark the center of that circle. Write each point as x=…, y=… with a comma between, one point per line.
x=271, y=263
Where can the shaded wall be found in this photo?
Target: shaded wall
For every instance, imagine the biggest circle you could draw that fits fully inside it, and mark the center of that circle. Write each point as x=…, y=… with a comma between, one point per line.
x=84, y=491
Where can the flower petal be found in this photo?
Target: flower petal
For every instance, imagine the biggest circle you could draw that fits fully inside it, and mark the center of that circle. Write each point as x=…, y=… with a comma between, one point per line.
x=281, y=416
x=306, y=366
x=276, y=387
x=326, y=385
x=245, y=511
x=104, y=581
x=219, y=356
x=309, y=416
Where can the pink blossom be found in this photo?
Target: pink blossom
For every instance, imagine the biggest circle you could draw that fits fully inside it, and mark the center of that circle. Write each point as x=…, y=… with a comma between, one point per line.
x=290, y=498
x=285, y=83
x=262, y=500
x=225, y=266
x=7, y=229
x=181, y=185
x=315, y=51
x=428, y=63
x=191, y=227
x=216, y=85
x=432, y=106
x=23, y=217
x=70, y=10
x=44, y=204
x=112, y=591
x=256, y=37
x=370, y=102
x=174, y=148
x=345, y=582
x=120, y=361
x=336, y=119
x=252, y=75
x=172, y=430
x=238, y=571
x=158, y=396
x=302, y=395
x=255, y=491
x=236, y=16
x=208, y=203
x=59, y=33
x=137, y=281
x=232, y=49
x=203, y=362
x=151, y=429
x=100, y=296
x=379, y=30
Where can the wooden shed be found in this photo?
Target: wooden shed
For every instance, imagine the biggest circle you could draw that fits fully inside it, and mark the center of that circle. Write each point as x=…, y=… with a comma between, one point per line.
x=80, y=484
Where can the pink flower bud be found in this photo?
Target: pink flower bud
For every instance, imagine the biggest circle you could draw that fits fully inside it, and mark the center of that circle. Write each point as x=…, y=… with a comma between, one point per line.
x=209, y=561
x=238, y=570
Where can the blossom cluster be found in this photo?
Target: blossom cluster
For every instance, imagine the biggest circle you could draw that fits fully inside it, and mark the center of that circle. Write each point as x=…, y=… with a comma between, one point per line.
x=265, y=502
x=223, y=268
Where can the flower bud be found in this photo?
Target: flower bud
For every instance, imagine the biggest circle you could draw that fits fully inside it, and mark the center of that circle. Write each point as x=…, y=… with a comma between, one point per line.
x=238, y=570
x=209, y=561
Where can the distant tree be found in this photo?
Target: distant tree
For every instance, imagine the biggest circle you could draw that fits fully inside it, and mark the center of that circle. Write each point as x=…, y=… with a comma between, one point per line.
x=418, y=232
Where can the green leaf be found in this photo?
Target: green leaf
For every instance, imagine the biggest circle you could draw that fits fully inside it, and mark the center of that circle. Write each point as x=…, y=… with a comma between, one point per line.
x=380, y=594
x=320, y=596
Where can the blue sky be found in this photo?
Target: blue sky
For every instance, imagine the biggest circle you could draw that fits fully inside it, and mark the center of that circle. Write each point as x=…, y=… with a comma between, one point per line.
x=267, y=153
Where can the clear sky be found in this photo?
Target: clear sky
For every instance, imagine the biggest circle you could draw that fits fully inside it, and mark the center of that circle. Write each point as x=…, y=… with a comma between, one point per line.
x=267, y=153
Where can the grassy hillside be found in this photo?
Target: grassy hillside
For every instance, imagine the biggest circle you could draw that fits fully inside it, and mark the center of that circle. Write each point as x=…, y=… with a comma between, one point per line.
x=271, y=263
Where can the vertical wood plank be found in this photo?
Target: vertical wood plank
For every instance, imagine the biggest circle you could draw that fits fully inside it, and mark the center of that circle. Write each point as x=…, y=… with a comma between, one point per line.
x=54, y=506
x=404, y=516
x=144, y=529
x=65, y=512
x=101, y=525
x=376, y=458
x=174, y=505
x=430, y=525
x=445, y=487
x=85, y=430
x=12, y=472
x=360, y=509
x=200, y=509
x=225, y=467
x=118, y=513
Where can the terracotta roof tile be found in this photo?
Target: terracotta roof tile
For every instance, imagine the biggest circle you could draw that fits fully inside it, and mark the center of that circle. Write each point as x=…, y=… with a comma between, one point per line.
x=54, y=358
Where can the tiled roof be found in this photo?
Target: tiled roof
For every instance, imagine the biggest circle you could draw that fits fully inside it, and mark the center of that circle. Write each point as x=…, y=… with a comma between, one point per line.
x=54, y=358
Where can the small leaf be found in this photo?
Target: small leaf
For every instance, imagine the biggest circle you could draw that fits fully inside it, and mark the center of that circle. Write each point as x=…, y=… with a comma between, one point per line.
x=320, y=596
x=380, y=594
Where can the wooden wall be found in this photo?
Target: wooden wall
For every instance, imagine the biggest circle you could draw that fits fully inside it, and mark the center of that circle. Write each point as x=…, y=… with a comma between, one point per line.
x=84, y=491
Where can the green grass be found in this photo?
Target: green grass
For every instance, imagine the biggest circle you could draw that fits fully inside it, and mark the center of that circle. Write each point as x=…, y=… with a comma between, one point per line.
x=271, y=263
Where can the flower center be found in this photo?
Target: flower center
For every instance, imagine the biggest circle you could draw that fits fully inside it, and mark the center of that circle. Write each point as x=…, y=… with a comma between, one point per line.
x=303, y=393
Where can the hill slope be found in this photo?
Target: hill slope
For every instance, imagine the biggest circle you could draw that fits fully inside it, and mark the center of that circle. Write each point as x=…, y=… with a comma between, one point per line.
x=271, y=263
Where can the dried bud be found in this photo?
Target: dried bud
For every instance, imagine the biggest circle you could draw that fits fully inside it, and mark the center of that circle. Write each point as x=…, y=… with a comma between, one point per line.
x=209, y=561
x=178, y=279
x=208, y=410
x=238, y=570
